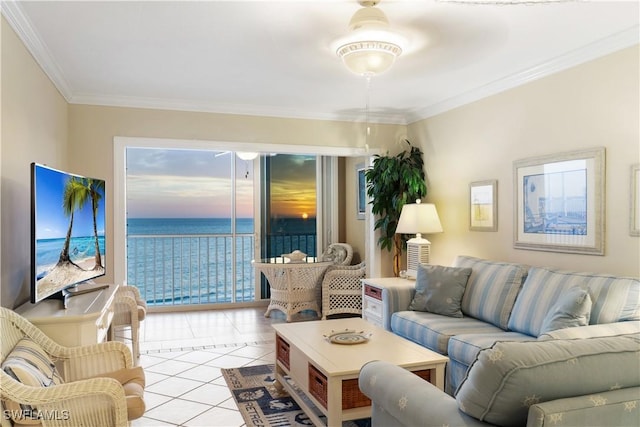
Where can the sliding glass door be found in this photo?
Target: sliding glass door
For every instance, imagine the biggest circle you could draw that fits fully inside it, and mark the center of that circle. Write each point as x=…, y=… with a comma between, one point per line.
x=190, y=226
x=189, y=216
x=289, y=208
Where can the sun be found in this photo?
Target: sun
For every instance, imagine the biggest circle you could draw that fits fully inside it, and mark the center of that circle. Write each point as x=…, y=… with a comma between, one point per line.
x=305, y=215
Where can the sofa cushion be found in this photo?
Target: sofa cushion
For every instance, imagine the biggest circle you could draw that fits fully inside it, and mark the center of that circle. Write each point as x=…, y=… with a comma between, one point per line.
x=573, y=308
x=491, y=290
x=511, y=376
x=614, y=299
x=592, y=331
x=464, y=348
x=29, y=364
x=133, y=382
x=439, y=289
x=433, y=330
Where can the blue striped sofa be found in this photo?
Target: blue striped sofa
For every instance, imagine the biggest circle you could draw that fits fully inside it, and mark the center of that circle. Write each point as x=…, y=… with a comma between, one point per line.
x=507, y=302
x=591, y=381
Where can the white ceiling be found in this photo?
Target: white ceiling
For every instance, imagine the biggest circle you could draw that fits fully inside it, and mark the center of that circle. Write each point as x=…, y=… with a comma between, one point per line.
x=275, y=58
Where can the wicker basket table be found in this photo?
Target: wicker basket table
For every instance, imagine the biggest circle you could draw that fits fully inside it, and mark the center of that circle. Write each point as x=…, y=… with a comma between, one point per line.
x=295, y=286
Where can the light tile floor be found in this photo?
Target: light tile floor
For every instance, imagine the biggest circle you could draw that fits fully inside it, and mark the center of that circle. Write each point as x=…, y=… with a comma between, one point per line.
x=182, y=354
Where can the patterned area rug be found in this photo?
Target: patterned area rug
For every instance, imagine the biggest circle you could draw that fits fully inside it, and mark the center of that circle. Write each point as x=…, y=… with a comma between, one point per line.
x=261, y=404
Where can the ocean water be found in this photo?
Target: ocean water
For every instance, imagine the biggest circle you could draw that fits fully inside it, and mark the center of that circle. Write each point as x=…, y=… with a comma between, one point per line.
x=186, y=226
x=178, y=261
x=80, y=248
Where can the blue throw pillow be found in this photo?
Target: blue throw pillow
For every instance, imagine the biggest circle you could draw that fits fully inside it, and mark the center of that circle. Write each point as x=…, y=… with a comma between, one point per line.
x=439, y=289
x=573, y=308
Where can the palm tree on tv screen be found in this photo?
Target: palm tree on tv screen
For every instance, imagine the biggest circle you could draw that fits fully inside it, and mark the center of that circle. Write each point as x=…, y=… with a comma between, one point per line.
x=96, y=187
x=76, y=194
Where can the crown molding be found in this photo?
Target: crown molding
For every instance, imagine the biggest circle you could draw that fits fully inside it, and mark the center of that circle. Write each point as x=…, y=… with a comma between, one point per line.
x=602, y=47
x=12, y=12
x=237, y=109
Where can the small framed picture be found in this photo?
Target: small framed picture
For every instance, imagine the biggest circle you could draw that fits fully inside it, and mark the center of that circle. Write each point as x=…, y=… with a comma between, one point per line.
x=483, y=205
x=634, y=214
x=361, y=198
x=560, y=202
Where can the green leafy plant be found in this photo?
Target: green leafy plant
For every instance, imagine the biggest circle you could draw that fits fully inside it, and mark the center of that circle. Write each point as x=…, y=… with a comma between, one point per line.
x=392, y=182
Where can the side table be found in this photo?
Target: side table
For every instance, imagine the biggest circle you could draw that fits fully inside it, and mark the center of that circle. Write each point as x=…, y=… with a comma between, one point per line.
x=383, y=296
x=85, y=321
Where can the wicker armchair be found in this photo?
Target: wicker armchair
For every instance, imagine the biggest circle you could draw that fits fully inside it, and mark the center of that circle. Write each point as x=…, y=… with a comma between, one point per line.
x=342, y=289
x=86, y=395
x=338, y=253
x=129, y=310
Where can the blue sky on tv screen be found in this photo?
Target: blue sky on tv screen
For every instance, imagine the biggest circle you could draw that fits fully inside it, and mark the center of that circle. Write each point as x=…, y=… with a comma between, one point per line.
x=51, y=222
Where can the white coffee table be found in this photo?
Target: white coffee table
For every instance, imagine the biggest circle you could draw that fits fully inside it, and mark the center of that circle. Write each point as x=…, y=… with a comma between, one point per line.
x=326, y=374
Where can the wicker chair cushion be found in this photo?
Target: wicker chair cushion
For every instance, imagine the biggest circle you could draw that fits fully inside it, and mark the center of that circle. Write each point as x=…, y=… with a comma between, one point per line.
x=133, y=382
x=336, y=254
x=142, y=312
x=30, y=365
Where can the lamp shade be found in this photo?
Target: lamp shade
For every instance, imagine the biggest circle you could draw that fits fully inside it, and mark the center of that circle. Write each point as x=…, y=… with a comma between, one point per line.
x=419, y=218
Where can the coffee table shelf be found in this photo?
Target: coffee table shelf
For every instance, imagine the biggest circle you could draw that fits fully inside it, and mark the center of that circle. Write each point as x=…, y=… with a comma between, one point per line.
x=326, y=374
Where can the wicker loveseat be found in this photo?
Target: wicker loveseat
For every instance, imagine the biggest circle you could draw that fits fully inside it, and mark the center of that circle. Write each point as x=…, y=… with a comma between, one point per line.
x=44, y=383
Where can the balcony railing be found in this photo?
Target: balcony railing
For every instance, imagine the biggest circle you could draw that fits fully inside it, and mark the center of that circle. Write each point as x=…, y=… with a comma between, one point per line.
x=173, y=270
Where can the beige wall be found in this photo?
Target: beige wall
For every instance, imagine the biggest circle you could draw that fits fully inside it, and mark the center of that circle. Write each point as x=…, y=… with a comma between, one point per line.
x=595, y=104
x=34, y=129
x=355, y=229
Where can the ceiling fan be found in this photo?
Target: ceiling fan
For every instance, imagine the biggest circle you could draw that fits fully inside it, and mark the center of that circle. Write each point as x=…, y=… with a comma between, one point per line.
x=371, y=47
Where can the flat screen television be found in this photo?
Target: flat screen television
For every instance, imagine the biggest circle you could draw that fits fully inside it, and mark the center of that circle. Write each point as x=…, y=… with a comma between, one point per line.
x=67, y=231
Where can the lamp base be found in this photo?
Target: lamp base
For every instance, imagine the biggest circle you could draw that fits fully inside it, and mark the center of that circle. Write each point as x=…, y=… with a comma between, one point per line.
x=418, y=252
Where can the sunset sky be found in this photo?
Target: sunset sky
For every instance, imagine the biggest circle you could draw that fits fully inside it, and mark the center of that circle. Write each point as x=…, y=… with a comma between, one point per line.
x=293, y=191
x=165, y=183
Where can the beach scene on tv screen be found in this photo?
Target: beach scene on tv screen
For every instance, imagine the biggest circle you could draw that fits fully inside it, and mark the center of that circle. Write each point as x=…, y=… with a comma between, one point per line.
x=70, y=223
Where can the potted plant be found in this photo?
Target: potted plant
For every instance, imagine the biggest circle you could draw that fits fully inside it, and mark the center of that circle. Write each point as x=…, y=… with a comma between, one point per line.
x=392, y=182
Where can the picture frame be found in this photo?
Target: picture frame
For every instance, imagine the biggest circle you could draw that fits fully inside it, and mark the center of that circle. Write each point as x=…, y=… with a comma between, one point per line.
x=361, y=196
x=634, y=207
x=483, y=205
x=560, y=202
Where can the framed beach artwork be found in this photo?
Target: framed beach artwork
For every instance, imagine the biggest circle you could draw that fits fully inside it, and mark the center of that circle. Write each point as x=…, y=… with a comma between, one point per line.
x=634, y=213
x=483, y=203
x=560, y=202
x=361, y=197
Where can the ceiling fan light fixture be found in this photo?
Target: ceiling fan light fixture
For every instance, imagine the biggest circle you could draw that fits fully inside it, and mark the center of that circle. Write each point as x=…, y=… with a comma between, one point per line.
x=369, y=57
x=246, y=155
x=371, y=48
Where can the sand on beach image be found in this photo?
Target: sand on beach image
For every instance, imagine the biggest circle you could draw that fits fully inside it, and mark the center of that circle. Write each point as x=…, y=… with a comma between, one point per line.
x=75, y=272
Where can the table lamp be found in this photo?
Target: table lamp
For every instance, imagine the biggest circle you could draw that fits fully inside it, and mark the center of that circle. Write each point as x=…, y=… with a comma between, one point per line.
x=418, y=218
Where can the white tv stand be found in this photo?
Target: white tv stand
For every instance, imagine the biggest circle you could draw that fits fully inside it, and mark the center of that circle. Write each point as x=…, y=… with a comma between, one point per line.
x=86, y=320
